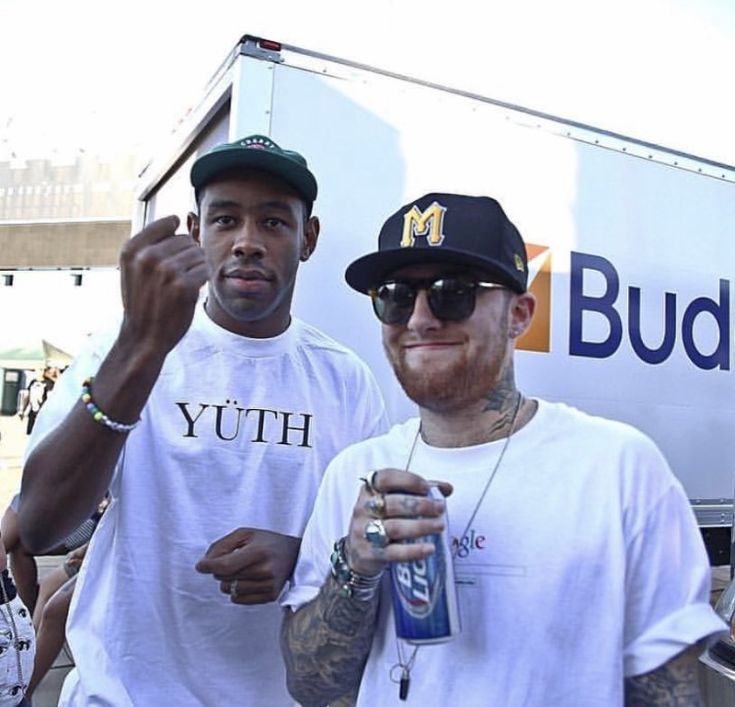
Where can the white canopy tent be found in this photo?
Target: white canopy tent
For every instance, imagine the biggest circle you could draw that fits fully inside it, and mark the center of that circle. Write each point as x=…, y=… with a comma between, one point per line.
x=34, y=354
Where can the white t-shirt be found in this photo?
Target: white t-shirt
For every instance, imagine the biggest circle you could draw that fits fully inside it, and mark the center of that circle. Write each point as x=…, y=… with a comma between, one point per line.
x=236, y=432
x=583, y=565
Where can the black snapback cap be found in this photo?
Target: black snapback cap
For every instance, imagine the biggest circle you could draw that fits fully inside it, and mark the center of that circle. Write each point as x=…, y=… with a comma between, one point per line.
x=468, y=231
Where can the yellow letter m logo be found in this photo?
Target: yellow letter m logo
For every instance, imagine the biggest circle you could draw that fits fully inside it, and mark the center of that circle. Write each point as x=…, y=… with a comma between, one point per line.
x=429, y=224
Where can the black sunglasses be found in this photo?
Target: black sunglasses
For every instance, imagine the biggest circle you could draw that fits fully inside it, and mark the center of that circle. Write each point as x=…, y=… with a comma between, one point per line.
x=451, y=298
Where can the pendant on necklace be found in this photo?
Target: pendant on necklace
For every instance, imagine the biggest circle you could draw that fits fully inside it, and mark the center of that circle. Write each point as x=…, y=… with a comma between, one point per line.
x=403, y=685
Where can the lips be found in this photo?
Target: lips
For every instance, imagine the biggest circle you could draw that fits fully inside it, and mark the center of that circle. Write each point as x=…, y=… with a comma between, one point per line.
x=431, y=344
x=421, y=348
x=248, y=280
x=248, y=274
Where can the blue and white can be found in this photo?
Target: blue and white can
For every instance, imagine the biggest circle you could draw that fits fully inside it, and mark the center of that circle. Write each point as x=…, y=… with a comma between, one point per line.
x=424, y=593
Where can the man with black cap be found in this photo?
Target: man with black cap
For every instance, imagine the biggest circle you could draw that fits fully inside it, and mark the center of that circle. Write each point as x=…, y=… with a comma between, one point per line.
x=581, y=577
x=211, y=424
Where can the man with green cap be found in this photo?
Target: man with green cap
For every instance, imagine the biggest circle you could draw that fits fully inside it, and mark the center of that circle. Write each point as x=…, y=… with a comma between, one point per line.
x=211, y=425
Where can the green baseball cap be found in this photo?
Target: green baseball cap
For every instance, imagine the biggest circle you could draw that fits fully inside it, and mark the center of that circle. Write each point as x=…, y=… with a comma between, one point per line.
x=257, y=152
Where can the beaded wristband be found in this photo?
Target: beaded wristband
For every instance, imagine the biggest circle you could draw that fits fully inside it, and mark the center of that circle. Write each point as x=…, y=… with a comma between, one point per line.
x=351, y=584
x=98, y=415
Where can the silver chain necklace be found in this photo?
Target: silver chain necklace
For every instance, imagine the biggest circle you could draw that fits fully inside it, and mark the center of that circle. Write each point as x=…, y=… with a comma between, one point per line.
x=406, y=665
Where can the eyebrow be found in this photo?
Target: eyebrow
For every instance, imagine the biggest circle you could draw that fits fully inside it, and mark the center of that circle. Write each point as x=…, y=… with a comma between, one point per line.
x=222, y=204
x=265, y=205
x=276, y=204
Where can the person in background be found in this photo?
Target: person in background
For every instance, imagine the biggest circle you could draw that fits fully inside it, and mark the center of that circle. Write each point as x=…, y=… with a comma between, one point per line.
x=582, y=578
x=50, y=377
x=22, y=561
x=52, y=609
x=211, y=424
x=32, y=400
x=17, y=641
x=55, y=593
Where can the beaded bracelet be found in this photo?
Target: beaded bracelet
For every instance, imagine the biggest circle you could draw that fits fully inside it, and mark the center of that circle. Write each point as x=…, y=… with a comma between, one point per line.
x=98, y=415
x=351, y=584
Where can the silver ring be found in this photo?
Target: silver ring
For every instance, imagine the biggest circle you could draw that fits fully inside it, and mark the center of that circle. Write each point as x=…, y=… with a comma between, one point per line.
x=233, y=588
x=375, y=533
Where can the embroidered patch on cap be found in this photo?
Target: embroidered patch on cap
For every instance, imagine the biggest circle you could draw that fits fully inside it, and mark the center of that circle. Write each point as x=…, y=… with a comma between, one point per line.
x=428, y=223
x=258, y=143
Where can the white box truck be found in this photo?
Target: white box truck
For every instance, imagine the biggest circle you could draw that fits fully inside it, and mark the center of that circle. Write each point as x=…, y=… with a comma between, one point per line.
x=631, y=245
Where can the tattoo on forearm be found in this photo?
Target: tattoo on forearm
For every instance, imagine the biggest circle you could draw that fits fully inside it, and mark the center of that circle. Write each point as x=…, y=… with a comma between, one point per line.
x=340, y=617
x=674, y=684
x=345, y=701
x=325, y=645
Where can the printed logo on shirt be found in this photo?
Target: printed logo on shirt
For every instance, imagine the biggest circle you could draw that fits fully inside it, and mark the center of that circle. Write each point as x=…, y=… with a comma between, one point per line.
x=464, y=547
x=538, y=336
x=259, y=425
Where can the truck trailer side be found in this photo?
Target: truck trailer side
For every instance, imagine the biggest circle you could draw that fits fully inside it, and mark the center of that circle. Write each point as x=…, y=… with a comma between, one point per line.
x=631, y=245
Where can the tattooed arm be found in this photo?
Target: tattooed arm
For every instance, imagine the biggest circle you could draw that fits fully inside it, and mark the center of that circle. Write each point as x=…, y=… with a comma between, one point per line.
x=674, y=684
x=326, y=644
x=347, y=700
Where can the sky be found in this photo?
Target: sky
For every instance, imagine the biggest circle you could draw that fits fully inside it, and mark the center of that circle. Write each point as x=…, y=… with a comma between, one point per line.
x=112, y=77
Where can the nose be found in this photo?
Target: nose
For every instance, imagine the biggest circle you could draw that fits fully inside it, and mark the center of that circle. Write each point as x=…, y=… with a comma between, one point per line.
x=248, y=241
x=422, y=318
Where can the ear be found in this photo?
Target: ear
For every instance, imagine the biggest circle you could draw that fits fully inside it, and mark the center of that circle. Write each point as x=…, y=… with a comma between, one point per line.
x=311, y=236
x=521, y=313
x=192, y=224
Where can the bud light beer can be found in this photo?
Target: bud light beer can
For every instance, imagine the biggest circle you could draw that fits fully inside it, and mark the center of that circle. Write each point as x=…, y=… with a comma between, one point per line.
x=424, y=594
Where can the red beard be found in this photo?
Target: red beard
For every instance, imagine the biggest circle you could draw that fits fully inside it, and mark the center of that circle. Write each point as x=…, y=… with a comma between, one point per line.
x=452, y=387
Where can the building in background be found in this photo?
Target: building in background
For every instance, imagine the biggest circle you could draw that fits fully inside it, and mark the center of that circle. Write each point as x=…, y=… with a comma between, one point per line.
x=62, y=223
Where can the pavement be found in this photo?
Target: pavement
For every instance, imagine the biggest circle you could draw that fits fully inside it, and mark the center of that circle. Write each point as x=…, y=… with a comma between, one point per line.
x=13, y=441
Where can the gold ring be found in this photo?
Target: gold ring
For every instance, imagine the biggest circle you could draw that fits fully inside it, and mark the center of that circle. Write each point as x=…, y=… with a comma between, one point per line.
x=370, y=483
x=373, y=485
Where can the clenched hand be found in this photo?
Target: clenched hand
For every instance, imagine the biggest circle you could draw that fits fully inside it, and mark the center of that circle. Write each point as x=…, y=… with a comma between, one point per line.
x=251, y=565
x=161, y=274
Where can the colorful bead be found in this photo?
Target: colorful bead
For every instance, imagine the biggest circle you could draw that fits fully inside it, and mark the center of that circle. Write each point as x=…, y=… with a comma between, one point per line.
x=98, y=415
